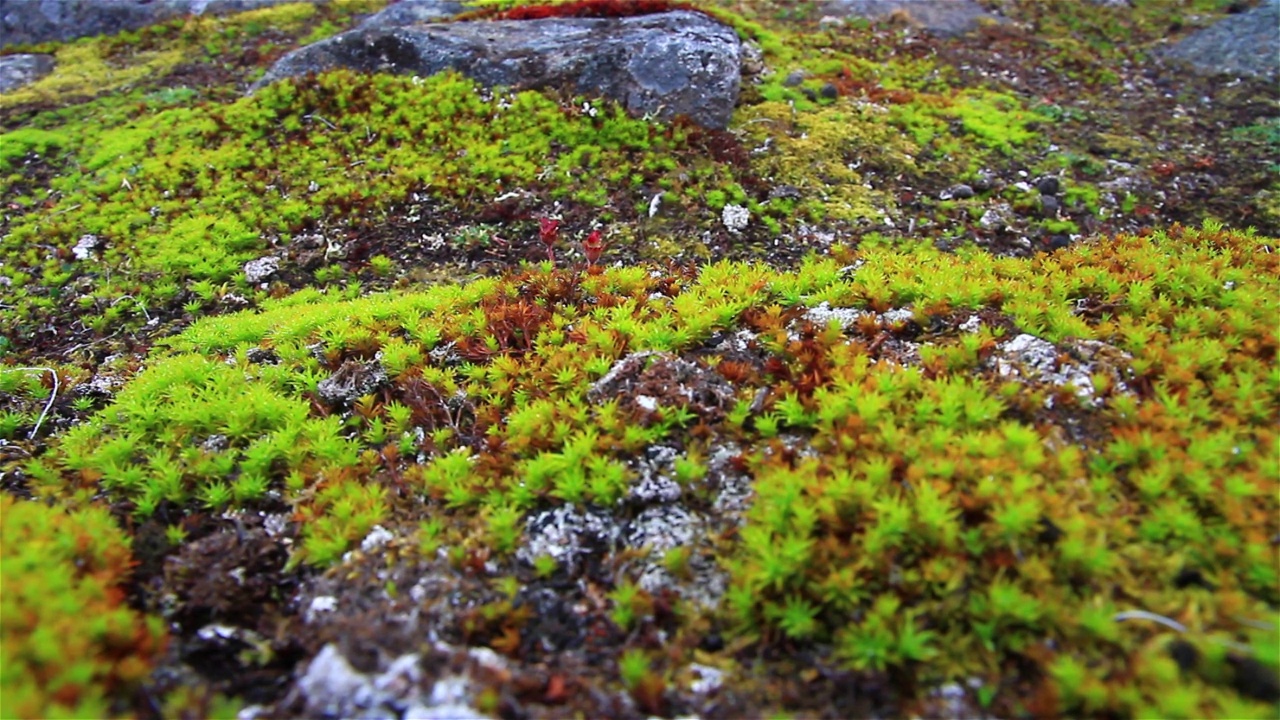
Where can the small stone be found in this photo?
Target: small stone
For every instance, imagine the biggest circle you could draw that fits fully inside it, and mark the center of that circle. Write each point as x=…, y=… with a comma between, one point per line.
x=1049, y=206
x=794, y=78
x=84, y=249
x=1048, y=185
x=735, y=217
x=1058, y=242
x=996, y=218
x=784, y=192
x=829, y=91
x=255, y=271
x=376, y=539
x=320, y=605
x=956, y=192
x=215, y=444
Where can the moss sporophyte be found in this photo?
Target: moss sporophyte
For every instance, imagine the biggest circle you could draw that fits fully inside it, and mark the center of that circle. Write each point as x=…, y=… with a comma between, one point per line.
x=960, y=481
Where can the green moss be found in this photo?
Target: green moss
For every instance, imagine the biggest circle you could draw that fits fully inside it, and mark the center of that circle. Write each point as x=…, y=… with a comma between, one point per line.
x=261, y=166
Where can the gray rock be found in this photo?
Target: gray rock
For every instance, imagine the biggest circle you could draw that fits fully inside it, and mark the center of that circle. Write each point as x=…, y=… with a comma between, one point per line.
x=332, y=687
x=794, y=78
x=19, y=70
x=1048, y=185
x=568, y=536
x=957, y=192
x=1247, y=44
x=408, y=12
x=255, y=271
x=37, y=21
x=352, y=381
x=1049, y=206
x=940, y=17
x=668, y=64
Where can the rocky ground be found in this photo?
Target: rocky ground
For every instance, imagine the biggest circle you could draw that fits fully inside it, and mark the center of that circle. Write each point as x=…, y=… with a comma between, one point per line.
x=862, y=358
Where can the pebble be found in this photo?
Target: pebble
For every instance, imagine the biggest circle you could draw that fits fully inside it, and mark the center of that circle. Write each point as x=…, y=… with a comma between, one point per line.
x=1049, y=206
x=1048, y=185
x=956, y=192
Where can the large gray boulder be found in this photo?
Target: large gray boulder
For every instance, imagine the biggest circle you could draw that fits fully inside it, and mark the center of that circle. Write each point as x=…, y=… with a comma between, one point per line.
x=1247, y=44
x=37, y=21
x=666, y=64
x=940, y=17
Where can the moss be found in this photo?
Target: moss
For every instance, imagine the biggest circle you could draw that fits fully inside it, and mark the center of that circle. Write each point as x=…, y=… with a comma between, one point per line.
x=92, y=66
x=818, y=152
x=947, y=459
x=72, y=646
x=254, y=161
x=927, y=505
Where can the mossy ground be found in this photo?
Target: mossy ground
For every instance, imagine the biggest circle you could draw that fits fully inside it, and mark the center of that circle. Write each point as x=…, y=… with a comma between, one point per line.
x=878, y=440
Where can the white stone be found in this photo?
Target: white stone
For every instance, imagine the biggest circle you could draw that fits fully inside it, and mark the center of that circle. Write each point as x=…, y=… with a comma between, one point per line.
x=84, y=249
x=735, y=217
x=321, y=604
x=822, y=315
x=255, y=271
x=376, y=538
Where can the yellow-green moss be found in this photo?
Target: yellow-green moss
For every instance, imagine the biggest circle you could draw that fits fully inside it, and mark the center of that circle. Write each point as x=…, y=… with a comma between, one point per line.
x=93, y=66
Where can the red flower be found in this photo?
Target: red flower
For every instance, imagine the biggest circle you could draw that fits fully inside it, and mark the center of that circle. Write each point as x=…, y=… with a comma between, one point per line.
x=593, y=246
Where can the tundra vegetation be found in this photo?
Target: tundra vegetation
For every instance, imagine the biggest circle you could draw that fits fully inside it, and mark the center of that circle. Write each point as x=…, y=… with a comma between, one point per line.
x=929, y=512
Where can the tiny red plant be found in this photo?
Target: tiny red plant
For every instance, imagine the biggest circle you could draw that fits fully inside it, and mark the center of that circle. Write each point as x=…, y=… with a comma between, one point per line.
x=593, y=247
x=548, y=231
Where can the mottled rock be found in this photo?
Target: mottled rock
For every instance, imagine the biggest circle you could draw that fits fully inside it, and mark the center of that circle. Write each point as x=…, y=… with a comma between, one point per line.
x=941, y=17
x=735, y=218
x=353, y=380
x=668, y=64
x=37, y=21
x=1247, y=44
x=255, y=271
x=19, y=70
x=332, y=687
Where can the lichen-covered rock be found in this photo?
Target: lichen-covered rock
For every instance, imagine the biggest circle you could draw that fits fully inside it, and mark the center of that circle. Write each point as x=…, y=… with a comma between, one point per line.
x=941, y=17
x=1244, y=44
x=669, y=64
x=37, y=21
x=351, y=381
x=24, y=69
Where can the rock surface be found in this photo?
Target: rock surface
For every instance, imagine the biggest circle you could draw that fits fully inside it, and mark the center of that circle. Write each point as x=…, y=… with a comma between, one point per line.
x=19, y=70
x=1244, y=44
x=669, y=64
x=408, y=12
x=37, y=21
x=941, y=17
